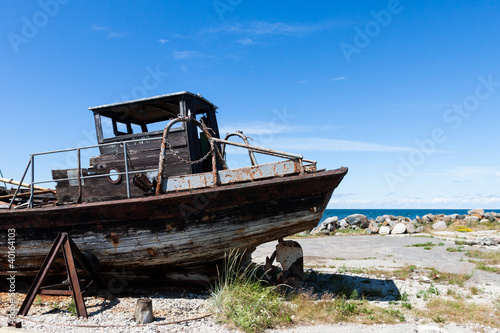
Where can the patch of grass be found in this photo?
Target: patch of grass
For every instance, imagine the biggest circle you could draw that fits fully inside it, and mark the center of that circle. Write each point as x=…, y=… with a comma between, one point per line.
x=485, y=268
x=38, y=300
x=403, y=297
x=406, y=305
x=459, y=311
x=461, y=242
x=487, y=258
x=455, y=249
x=493, y=258
x=72, y=307
x=475, y=290
x=426, y=246
x=310, y=308
x=440, y=244
x=243, y=300
x=451, y=278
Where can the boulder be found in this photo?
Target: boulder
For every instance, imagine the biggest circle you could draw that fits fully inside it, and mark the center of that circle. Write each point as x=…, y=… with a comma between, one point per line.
x=479, y=212
x=471, y=219
x=374, y=227
x=428, y=218
x=318, y=231
x=359, y=220
x=454, y=217
x=419, y=229
x=399, y=228
x=487, y=241
x=332, y=219
x=410, y=228
x=384, y=230
x=343, y=224
x=439, y=225
x=390, y=222
x=380, y=219
x=484, y=221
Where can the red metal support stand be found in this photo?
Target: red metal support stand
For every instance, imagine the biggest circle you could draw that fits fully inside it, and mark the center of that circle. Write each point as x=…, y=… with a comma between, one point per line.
x=70, y=252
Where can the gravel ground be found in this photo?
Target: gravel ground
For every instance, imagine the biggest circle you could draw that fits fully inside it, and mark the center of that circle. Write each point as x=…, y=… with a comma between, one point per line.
x=324, y=257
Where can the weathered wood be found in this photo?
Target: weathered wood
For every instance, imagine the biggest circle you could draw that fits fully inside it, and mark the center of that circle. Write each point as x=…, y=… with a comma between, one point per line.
x=24, y=195
x=13, y=182
x=178, y=236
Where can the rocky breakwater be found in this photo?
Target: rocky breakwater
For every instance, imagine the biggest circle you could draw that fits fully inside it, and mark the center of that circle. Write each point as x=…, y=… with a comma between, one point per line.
x=476, y=219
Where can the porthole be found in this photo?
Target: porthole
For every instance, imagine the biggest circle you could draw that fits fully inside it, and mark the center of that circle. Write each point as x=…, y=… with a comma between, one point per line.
x=114, y=176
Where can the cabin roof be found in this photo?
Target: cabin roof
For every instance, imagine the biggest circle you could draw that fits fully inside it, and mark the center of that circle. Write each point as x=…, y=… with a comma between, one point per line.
x=152, y=109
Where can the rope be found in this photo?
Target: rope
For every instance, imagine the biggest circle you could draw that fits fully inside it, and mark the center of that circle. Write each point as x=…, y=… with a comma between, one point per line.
x=103, y=326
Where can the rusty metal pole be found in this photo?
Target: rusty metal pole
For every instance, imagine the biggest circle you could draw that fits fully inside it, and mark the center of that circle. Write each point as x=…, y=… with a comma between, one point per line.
x=32, y=189
x=127, y=177
x=19, y=186
x=78, y=155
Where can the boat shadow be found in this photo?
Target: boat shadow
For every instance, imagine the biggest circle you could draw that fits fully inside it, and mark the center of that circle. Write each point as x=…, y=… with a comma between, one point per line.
x=351, y=286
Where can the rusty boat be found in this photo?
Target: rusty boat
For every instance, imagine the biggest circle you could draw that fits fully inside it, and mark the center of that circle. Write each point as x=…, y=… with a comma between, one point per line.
x=159, y=199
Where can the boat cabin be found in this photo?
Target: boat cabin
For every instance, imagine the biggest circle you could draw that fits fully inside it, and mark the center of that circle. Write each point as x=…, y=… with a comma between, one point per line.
x=129, y=137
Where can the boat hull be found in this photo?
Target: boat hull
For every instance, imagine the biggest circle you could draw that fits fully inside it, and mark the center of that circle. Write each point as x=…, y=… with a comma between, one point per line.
x=178, y=236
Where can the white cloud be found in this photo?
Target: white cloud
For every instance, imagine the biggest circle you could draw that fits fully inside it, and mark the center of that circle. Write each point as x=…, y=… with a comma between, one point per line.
x=187, y=55
x=246, y=41
x=269, y=28
x=322, y=144
x=455, y=202
x=109, y=34
x=340, y=78
x=98, y=27
x=163, y=41
x=115, y=35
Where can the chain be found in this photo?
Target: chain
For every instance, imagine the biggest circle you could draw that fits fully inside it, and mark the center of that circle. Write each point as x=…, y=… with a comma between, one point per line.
x=186, y=161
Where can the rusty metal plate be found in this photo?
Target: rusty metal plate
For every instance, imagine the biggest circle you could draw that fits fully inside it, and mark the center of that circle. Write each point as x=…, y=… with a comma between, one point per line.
x=245, y=174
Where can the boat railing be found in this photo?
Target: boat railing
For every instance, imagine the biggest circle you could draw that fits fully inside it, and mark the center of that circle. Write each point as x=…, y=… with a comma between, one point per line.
x=79, y=176
x=214, y=152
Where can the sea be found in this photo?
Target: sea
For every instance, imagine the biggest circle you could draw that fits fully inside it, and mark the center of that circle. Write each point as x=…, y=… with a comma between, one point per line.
x=411, y=213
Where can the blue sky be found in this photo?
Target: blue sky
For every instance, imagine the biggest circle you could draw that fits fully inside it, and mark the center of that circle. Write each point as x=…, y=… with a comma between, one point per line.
x=404, y=93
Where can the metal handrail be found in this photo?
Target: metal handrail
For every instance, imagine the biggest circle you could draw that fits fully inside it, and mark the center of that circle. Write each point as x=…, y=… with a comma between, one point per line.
x=245, y=138
x=214, y=151
x=80, y=177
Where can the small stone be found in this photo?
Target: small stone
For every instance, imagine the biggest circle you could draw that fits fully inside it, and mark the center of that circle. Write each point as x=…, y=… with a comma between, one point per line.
x=399, y=228
x=428, y=329
x=424, y=279
x=439, y=225
x=384, y=230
